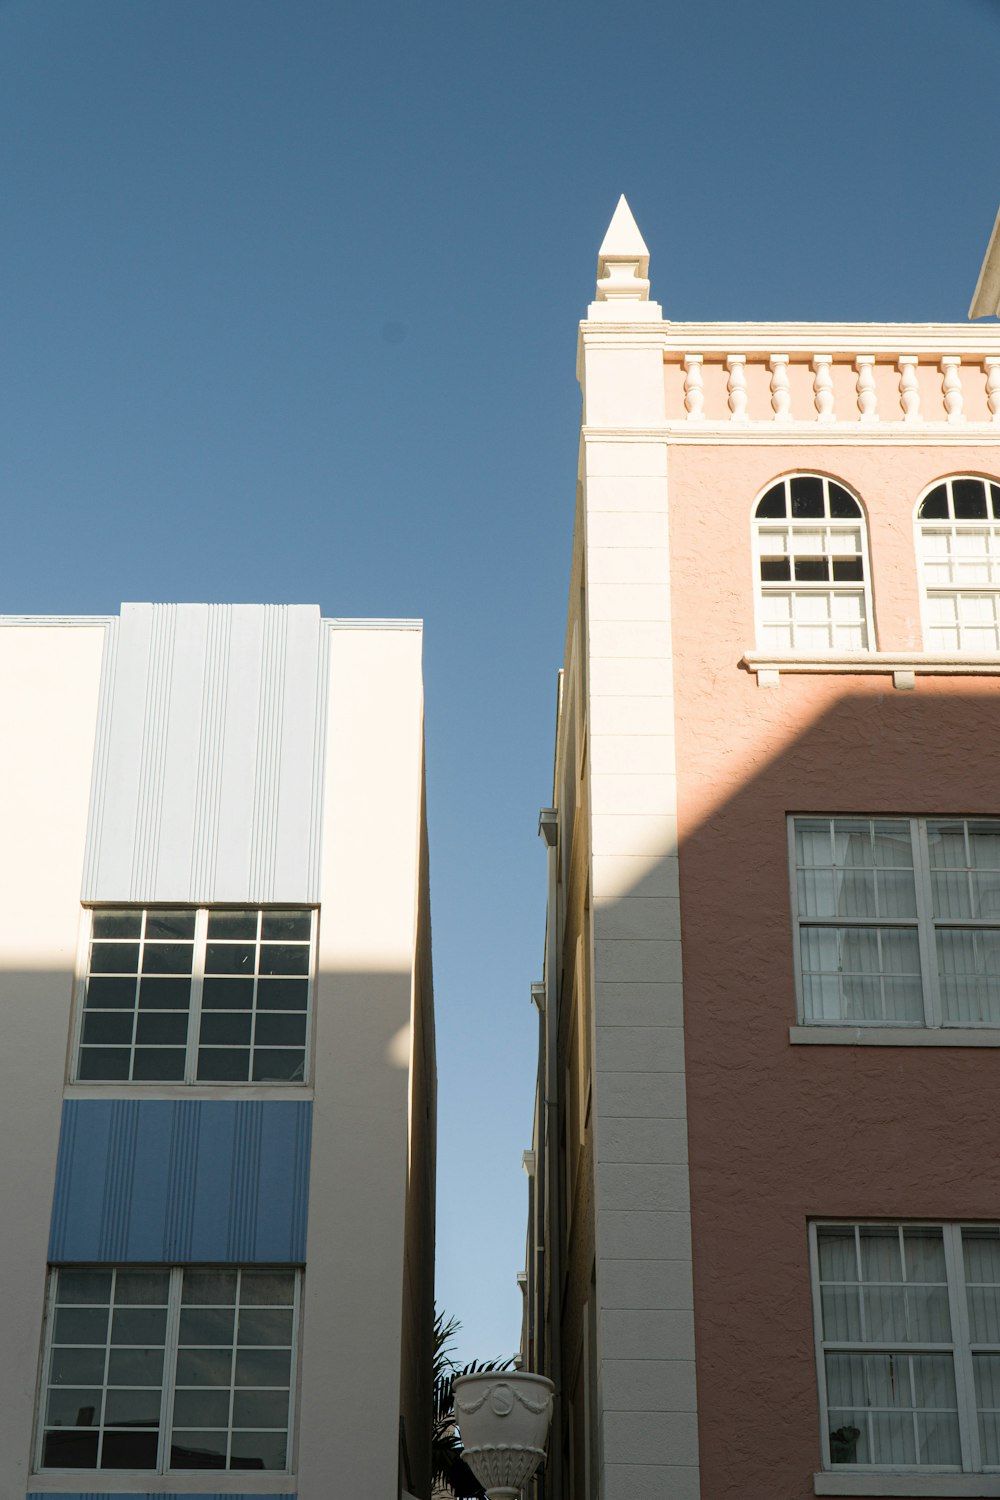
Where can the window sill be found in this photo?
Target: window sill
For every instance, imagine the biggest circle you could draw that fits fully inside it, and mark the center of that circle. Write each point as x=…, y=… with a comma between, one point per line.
x=895, y=1036
x=124, y=1090
x=903, y=666
x=904, y=1483
x=142, y=1482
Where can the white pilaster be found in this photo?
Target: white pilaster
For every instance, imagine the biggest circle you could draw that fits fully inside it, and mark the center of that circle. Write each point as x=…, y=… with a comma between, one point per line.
x=645, y=1331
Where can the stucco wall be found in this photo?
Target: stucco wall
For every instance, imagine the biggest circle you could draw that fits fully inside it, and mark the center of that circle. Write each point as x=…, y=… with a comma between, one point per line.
x=49, y=677
x=780, y=1134
x=351, y=1374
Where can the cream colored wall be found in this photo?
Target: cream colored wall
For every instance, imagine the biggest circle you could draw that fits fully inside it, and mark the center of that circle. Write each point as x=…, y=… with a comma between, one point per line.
x=351, y=1363
x=49, y=679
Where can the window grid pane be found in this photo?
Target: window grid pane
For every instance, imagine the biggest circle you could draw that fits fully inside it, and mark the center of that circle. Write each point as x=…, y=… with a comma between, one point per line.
x=883, y=1288
x=811, y=567
x=253, y=1018
x=960, y=563
x=234, y=1361
x=226, y=1368
x=881, y=944
x=180, y=995
x=138, y=995
x=104, y=1386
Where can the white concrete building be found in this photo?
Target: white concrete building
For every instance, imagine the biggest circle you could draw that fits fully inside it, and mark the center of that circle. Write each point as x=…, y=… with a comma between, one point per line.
x=217, y=1074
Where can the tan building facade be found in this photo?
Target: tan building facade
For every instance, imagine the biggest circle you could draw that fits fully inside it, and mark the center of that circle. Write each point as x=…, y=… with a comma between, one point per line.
x=765, y=1205
x=218, y=1073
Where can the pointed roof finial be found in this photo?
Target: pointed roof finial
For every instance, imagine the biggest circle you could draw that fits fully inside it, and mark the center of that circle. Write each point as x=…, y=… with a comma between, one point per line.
x=623, y=260
x=622, y=274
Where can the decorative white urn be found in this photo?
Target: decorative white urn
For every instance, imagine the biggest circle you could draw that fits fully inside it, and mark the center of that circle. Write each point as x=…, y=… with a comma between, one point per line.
x=503, y=1418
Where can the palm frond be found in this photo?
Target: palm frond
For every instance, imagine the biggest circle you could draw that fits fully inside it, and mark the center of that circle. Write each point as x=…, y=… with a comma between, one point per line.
x=447, y=1464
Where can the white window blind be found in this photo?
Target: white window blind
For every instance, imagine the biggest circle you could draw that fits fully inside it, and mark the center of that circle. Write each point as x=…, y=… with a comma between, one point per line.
x=898, y=920
x=908, y=1344
x=958, y=534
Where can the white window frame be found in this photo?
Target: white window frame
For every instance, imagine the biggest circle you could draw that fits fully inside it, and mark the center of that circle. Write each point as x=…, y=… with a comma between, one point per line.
x=920, y=526
x=165, y=1431
x=790, y=524
x=924, y=923
x=961, y=1348
x=200, y=941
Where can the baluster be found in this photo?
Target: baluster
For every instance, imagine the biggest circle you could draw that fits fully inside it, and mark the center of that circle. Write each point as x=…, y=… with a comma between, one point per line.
x=781, y=396
x=951, y=388
x=909, y=390
x=694, y=387
x=992, y=368
x=867, y=395
x=823, y=388
x=737, y=386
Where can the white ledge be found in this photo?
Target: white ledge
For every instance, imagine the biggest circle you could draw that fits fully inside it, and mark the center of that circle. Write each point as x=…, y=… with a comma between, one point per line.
x=895, y=1036
x=142, y=1482
x=904, y=666
x=904, y=1482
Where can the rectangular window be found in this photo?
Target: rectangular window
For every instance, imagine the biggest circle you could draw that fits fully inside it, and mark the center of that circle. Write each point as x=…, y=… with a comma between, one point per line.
x=961, y=576
x=807, y=602
x=159, y=1370
x=908, y=1341
x=898, y=920
x=196, y=995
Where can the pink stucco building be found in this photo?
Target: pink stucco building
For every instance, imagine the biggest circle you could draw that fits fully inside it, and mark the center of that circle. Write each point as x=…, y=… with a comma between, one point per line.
x=764, y=1239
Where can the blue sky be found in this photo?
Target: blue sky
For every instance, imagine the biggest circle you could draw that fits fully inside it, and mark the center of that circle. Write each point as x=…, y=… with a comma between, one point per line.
x=288, y=305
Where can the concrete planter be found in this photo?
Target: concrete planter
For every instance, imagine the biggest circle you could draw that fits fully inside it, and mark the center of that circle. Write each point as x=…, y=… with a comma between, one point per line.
x=503, y=1419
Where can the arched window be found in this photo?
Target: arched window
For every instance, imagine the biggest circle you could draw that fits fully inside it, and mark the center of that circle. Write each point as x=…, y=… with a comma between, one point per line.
x=811, y=554
x=958, y=536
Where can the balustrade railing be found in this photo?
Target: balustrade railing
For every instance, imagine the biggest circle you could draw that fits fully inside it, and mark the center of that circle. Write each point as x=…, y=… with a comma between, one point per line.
x=941, y=376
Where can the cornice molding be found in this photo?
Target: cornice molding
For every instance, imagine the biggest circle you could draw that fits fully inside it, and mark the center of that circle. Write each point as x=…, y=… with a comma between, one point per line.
x=842, y=340
x=795, y=434
x=13, y=621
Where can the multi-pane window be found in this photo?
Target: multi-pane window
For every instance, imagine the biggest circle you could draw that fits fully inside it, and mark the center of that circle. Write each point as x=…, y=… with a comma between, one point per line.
x=908, y=1336
x=898, y=920
x=958, y=528
x=159, y=1369
x=195, y=995
x=811, y=549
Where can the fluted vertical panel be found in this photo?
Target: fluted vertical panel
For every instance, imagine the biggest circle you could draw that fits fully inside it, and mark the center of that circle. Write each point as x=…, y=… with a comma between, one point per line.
x=153, y=750
x=116, y=1205
x=182, y=1167
x=242, y=1240
x=267, y=780
x=319, y=759
x=64, y=1176
x=102, y=740
x=176, y=1181
x=208, y=773
x=211, y=749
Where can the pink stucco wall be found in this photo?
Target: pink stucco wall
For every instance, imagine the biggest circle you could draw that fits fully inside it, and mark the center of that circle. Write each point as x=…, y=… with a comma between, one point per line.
x=780, y=1134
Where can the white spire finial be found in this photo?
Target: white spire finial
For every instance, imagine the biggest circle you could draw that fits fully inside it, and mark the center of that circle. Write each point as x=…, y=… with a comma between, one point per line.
x=623, y=260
